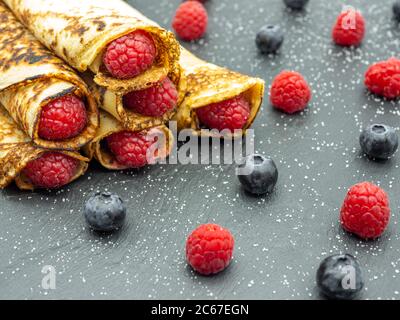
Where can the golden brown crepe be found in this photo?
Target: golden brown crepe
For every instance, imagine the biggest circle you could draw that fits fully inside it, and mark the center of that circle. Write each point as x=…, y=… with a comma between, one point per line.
x=207, y=84
x=30, y=77
x=109, y=125
x=80, y=30
x=17, y=150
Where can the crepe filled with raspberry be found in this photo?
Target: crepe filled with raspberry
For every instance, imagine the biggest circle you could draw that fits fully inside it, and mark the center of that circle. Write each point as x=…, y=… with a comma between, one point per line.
x=217, y=98
x=153, y=105
x=43, y=95
x=32, y=167
x=123, y=49
x=118, y=148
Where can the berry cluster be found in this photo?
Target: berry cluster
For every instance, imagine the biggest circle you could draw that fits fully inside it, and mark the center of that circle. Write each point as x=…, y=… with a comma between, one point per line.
x=365, y=211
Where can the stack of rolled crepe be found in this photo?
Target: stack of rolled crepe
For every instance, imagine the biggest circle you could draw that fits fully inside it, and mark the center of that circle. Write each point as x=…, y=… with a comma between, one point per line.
x=82, y=33
x=33, y=82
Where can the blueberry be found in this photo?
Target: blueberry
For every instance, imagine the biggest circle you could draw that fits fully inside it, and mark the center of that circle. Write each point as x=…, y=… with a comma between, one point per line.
x=258, y=175
x=379, y=141
x=105, y=212
x=296, y=4
x=340, y=277
x=396, y=10
x=269, y=39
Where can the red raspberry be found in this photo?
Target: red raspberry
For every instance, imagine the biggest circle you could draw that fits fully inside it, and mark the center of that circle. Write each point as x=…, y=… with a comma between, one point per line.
x=349, y=29
x=51, y=170
x=154, y=101
x=290, y=92
x=62, y=118
x=229, y=114
x=190, y=21
x=383, y=78
x=365, y=211
x=130, y=148
x=209, y=249
x=130, y=55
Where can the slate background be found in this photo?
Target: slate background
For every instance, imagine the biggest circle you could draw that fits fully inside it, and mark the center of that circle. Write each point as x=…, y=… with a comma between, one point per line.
x=281, y=238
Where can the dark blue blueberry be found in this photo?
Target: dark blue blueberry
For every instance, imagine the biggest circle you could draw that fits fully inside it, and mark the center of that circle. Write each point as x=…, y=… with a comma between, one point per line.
x=296, y=4
x=105, y=212
x=269, y=39
x=258, y=175
x=379, y=141
x=340, y=277
x=396, y=10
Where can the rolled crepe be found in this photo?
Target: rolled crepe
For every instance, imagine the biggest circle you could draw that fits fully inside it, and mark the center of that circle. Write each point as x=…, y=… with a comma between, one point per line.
x=208, y=84
x=17, y=150
x=109, y=125
x=30, y=77
x=79, y=31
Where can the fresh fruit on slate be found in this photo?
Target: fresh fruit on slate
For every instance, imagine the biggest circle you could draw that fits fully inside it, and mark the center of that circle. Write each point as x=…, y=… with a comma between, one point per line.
x=130, y=55
x=190, y=21
x=154, y=101
x=383, y=78
x=230, y=114
x=296, y=4
x=365, y=211
x=62, y=118
x=379, y=141
x=130, y=148
x=258, y=175
x=209, y=249
x=105, y=212
x=396, y=10
x=51, y=170
x=349, y=29
x=340, y=277
x=290, y=92
x=269, y=39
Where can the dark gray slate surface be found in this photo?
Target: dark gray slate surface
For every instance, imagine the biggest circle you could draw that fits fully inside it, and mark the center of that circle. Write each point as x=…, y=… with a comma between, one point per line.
x=280, y=239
